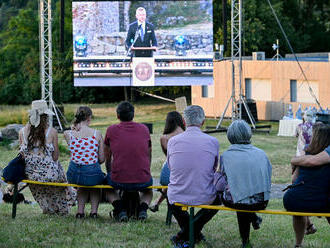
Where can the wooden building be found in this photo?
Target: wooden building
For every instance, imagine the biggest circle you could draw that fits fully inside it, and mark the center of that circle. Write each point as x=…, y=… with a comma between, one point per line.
x=272, y=84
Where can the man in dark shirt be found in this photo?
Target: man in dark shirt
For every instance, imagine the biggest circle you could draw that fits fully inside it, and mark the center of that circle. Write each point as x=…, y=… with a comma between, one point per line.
x=128, y=158
x=141, y=34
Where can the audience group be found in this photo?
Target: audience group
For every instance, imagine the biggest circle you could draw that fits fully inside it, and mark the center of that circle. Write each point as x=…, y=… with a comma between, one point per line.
x=195, y=173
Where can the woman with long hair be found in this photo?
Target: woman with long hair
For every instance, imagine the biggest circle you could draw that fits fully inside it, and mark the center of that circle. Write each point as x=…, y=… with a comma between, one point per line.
x=39, y=146
x=86, y=149
x=312, y=187
x=174, y=125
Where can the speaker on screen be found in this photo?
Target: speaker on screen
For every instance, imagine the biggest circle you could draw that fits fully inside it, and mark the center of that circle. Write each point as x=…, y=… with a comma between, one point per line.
x=108, y=35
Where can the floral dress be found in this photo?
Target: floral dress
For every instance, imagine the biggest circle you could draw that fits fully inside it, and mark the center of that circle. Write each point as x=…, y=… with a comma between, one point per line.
x=41, y=167
x=304, y=133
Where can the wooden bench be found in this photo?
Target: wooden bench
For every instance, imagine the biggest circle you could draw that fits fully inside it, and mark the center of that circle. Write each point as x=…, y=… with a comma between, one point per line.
x=14, y=208
x=217, y=207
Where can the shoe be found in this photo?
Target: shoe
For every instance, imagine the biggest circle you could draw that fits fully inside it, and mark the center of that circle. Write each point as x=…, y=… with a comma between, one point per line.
x=93, y=215
x=122, y=216
x=311, y=229
x=80, y=216
x=142, y=215
x=256, y=224
x=179, y=243
x=185, y=244
x=154, y=208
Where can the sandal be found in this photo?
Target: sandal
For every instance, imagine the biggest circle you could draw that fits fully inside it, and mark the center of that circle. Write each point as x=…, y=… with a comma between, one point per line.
x=298, y=246
x=311, y=229
x=93, y=215
x=80, y=216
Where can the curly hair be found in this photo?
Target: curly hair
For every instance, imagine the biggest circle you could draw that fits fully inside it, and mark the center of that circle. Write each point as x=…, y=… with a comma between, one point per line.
x=83, y=112
x=37, y=136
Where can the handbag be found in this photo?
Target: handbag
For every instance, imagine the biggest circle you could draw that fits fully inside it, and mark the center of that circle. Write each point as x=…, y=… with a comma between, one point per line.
x=14, y=172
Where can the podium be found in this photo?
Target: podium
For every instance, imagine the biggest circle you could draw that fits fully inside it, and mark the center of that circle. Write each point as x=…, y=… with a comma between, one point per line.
x=143, y=67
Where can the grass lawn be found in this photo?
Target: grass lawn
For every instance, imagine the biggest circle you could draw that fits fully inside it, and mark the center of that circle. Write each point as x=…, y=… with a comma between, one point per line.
x=33, y=229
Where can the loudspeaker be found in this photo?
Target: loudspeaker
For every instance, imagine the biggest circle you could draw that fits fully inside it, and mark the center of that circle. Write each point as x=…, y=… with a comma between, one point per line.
x=325, y=118
x=252, y=105
x=149, y=126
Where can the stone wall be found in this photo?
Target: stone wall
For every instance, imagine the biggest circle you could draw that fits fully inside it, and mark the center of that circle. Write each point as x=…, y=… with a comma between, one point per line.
x=200, y=42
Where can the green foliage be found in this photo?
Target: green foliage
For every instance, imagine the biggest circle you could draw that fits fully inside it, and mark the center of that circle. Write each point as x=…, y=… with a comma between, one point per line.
x=190, y=10
x=305, y=22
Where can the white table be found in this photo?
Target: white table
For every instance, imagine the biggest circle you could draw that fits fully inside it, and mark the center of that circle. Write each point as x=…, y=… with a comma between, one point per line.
x=288, y=127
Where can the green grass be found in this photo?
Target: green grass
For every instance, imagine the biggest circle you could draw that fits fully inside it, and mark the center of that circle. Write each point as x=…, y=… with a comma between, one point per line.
x=279, y=149
x=33, y=229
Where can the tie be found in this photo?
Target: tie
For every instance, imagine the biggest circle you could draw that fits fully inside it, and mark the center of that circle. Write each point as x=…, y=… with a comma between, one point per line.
x=142, y=34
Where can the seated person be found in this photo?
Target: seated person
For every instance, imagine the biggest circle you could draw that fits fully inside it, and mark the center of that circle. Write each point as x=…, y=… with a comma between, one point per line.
x=192, y=157
x=86, y=155
x=312, y=187
x=244, y=179
x=174, y=125
x=128, y=157
x=39, y=146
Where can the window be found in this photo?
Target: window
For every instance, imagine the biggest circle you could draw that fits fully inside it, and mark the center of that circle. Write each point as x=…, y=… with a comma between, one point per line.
x=303, y=91
x=204, y=91
x=208, y=91
x=260, y=90
x=293, y=90
x=248, y=88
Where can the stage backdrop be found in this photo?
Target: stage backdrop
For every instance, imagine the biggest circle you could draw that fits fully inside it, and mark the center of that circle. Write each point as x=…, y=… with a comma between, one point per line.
x=183, y=31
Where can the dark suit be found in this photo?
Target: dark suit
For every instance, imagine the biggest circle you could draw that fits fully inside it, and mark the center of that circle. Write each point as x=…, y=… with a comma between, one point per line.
x=149, y=39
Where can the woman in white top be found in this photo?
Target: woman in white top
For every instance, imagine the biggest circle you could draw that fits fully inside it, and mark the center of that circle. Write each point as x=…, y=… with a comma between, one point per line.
x=86, y=148
x=39, y=146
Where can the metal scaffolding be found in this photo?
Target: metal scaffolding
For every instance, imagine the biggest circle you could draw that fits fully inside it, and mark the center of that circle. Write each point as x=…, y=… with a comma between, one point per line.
x=237, y=98
x=46, y=62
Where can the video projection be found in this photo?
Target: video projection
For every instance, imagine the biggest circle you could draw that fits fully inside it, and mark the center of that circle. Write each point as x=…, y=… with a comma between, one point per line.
x=171, y=40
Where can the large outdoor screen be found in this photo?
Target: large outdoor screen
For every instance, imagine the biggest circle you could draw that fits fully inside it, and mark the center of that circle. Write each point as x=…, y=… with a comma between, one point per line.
x=172, y=39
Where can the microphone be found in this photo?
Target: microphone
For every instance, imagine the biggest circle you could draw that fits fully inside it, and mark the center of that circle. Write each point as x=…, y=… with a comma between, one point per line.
x=137, y=34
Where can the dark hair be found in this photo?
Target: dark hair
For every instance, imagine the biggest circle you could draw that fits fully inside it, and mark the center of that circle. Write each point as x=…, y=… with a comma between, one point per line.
x=83, y=112
x=320, y=139
x=173, y=120
x=125, y=111
x=37, y=136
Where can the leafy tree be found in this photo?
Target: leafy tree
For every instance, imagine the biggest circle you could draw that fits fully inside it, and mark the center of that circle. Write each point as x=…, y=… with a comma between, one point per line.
x=306, y=23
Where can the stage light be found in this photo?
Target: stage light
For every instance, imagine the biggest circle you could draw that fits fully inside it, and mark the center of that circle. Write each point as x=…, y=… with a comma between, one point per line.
x=80, y=45
x=181, y=45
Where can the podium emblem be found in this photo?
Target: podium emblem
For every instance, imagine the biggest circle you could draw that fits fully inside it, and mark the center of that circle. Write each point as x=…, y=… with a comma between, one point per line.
x=143, y=71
